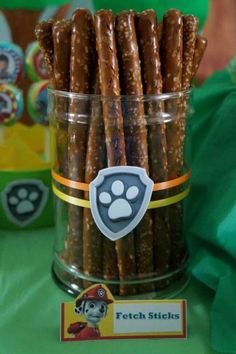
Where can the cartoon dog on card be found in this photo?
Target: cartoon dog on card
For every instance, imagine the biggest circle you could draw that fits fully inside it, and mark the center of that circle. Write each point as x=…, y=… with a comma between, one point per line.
x=93, y=305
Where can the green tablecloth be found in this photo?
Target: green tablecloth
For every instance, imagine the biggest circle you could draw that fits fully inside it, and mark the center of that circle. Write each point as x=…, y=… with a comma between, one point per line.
x=30, y=306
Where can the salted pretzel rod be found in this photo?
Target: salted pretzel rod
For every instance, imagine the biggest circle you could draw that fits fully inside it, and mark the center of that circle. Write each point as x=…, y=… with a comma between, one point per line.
x=61, y=67
x=200, y=47
x=195, y=45
x=81, y=28
x=135, y=131
x=190, y=27
x=43, y=32
x=99, y=254
x=171, y=59
x=92, y=238
x=44, y=35
x=62, y=50
x=148, y=33
x=113, y=123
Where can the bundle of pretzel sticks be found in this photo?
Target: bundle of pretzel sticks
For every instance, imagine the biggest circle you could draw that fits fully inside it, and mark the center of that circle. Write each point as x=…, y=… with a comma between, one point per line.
x=130, y=55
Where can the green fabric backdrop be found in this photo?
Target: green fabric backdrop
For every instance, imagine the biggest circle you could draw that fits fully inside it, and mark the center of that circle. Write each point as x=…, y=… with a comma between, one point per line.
x=211, y=206
x=30, y=4
x=197, y=7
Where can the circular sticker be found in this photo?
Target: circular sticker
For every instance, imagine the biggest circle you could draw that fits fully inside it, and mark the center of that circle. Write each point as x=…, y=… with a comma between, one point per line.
x=11, y=63
x=35, y=64
x=11, y=104
x=37, y=102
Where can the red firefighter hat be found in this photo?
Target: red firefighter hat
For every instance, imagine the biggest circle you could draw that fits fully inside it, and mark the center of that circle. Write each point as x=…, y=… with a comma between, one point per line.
x=97, y=292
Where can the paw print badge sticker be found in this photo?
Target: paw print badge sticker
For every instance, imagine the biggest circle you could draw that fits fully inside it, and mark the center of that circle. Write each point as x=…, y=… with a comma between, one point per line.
x=24, y=200
x=119, y=197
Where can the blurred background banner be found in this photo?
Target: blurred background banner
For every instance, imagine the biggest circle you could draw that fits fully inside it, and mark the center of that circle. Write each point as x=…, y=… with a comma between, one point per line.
x=197, y=7
x=30, y=4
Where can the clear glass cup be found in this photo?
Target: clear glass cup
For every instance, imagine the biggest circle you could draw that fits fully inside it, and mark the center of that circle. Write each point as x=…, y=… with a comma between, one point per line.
x=90, y=133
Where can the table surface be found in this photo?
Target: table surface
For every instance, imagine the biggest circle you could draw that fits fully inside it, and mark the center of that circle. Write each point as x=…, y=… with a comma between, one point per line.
x=30, y=306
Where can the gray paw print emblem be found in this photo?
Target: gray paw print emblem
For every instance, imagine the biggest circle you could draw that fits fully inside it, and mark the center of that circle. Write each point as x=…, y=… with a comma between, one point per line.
x=119, y=198
x=119, y=201
x=24, y=200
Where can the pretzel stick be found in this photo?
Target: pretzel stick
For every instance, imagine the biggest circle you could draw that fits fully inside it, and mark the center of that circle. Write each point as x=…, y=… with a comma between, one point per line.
x=44, y=35
x=135, y=132
x=113, y=123
x=148, y=32
x=194, y=48
x=190, y=27
x=62, y=50
x=171, y=59
x=99, y=252
x=43, y=32
x=172, y=49
x=200, y=47
x=78, y=127
x=61, y=64
x=92, y=237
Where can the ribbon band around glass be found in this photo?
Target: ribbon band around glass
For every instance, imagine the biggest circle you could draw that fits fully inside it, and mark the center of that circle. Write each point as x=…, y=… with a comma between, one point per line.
x=153, y=204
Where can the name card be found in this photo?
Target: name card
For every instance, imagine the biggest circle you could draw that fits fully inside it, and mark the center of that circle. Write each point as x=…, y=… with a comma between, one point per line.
x=95, y=314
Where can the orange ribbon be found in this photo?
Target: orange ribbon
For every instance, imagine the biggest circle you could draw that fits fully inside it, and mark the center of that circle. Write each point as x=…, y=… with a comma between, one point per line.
x=85, y=186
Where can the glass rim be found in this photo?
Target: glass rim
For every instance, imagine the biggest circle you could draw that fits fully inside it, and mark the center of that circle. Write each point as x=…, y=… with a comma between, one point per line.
x=145, y=97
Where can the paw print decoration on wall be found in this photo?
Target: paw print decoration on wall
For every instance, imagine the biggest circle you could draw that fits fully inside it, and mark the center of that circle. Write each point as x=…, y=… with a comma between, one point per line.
x=24, y=201
x=119, y=197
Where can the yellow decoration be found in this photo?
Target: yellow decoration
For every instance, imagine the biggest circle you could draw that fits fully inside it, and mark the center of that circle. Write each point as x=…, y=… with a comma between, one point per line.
x=22, y=148
x=32, y=136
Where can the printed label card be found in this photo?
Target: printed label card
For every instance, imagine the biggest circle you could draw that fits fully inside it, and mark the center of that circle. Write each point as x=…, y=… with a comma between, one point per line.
x=95, y=314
